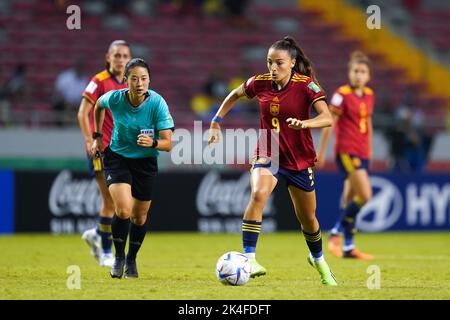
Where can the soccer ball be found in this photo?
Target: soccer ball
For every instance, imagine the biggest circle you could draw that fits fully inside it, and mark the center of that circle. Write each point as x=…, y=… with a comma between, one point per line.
x=233, y=268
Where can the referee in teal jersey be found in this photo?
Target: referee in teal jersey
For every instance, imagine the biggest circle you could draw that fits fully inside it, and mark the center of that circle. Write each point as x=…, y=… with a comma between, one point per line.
x=142, y=126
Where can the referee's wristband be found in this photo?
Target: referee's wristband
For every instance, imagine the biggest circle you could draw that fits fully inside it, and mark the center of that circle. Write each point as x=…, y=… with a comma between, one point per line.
x=154, y=144
x=217, y=119
x=96, y=135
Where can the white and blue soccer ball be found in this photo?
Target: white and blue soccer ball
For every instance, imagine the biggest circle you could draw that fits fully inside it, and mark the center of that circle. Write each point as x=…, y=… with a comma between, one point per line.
x=233, y=268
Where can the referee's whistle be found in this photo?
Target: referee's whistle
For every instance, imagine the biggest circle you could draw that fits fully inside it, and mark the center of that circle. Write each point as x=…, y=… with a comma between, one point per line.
x=97, y=161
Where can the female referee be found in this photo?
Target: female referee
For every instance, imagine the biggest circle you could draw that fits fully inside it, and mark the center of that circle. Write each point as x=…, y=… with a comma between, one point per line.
x=142, y=126
x=118, y=55
x=286, y=95
x=352, y=107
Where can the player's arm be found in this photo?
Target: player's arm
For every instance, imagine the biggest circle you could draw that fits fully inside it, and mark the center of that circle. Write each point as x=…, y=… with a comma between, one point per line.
x=99, y=117
x=323, y=118
x=370, y=127
x=165, y=140
x=225, y=107
x=83, y=120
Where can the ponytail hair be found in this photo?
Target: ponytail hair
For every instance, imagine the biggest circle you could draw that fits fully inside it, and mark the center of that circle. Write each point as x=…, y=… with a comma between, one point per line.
x=302, y=63
x=359, y=57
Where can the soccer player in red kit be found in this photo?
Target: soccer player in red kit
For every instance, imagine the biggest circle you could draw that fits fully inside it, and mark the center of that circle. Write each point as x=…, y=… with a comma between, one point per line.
x=118, y=55
x=286, y=95
x=352, y=107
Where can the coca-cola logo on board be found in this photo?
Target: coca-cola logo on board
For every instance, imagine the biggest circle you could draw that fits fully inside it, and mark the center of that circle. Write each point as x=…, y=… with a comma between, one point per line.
x=73, y=196
x=226, y=197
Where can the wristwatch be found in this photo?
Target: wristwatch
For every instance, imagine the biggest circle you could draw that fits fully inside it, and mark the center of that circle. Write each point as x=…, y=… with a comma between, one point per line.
x=154, y=144
x=96, y=135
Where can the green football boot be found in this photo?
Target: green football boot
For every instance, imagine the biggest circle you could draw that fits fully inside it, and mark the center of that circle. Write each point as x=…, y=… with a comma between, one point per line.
x=322, y=267
x=256, y=269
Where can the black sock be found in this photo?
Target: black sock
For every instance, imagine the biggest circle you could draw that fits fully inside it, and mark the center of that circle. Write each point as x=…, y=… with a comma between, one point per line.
x=120, y=228
x=104, y=230
x=137, y=235
x=348, y=222
x=314, y=242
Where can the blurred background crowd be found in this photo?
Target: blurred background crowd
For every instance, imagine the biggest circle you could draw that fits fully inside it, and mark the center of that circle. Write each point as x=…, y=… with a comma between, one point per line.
x=198, y=50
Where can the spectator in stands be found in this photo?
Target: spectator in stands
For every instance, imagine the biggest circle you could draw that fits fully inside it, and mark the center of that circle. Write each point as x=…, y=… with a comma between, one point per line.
x=236, y=12
x=183, y=8
x=206, y=103
x=201, y=105
x=249, y=106
x=117, y=6
x=410, y=144
x=213, y=8
x=12, y=91
x=15, y=86
x=216, y=87
x=69, y=86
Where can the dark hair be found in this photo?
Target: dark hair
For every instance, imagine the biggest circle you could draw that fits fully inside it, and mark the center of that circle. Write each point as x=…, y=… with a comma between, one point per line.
x=302, y=63
x=359, y=57
x=112, y=45
x=136, y=62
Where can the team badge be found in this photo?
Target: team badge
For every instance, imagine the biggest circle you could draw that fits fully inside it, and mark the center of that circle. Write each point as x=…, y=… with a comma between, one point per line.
x=274, y=109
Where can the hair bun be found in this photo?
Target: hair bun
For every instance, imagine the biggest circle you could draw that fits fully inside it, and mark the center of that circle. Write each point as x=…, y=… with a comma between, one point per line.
x=288, y=39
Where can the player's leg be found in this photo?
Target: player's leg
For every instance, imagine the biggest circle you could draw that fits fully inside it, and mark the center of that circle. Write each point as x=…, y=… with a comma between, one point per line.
x=104, y=226
x=123, y=203
x=362, y=189
x=347, y=196
x=143, y=173
x=137, y=235
x=262, y=183
x=335, y=240
x=92, y=236
x=305, y=209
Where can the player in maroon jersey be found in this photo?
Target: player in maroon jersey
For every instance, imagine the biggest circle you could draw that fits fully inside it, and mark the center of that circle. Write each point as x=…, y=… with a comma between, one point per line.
x=352, y=107
x=286, y=95
x=118, y=55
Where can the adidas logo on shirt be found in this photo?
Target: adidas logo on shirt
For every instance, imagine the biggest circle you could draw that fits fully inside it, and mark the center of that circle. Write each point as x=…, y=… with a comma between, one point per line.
x=109, y=177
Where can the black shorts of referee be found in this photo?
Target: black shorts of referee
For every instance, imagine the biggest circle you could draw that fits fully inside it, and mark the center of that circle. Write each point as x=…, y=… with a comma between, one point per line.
x=139, y=173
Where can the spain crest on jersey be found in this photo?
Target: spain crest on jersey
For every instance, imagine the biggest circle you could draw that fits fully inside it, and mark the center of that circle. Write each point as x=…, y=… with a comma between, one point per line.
x=274, y=109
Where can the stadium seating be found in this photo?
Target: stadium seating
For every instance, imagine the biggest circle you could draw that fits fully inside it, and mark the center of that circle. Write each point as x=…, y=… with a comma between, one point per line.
x=183, y=51
x=433, y=25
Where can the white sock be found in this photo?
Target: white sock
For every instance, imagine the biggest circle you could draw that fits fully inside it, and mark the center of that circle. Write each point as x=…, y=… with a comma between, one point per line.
x=250, y=255
x=319, y=259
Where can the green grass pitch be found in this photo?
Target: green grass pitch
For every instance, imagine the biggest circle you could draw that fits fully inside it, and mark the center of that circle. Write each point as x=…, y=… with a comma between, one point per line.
x=181, y=266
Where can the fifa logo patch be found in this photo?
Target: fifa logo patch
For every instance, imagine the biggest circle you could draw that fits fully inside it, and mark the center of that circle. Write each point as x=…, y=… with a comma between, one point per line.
x=274, y=109
x=314, y=87
x=148, y=132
